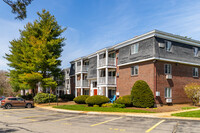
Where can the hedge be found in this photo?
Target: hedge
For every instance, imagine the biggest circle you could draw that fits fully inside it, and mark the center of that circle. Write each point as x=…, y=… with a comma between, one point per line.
x=97, y=100
x=126, y=100
x=80, y=99
x=44, y=98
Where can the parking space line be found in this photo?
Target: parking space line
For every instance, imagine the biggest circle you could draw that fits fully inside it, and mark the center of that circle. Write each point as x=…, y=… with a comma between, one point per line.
x=34, y=116
x=65, y=118
x=147, y=131
x=105, y=121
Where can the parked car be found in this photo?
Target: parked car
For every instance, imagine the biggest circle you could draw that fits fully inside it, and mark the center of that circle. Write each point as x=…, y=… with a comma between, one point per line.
x=10, y=102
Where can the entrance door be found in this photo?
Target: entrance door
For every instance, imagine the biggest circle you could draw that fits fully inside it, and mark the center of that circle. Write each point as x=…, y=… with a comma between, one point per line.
x=95, y=91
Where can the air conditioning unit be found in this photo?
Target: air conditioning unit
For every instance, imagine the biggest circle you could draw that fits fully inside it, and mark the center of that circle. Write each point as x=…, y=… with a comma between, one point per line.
x=161, y=45
x=157, y=93
x=68, y=92
x=168, y=100
x=168, y=76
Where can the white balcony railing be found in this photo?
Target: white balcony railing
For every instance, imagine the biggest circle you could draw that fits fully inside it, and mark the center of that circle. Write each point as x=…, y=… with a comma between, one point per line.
x=102, y=62
x=111, y=80
x=85, y=68
x=102, y=80
x=78, y=69
x=85, y=83
x=111, y=61
x=78, y=83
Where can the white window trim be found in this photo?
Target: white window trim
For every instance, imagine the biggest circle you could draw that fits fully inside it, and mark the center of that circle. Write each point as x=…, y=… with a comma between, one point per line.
x=167, y=91
x=170, y=69
x=195, y=72
x=166, y=44
x=133, y=48
x=133, y=67
x=195, y=55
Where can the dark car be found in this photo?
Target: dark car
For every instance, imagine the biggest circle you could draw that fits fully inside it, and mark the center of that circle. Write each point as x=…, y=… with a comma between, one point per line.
x=10, y=102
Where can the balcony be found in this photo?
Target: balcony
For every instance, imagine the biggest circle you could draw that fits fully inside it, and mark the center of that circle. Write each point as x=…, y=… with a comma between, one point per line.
x=102, y=62
x=78, y=83
x=85, y=83
x=85, y=68
x=111, y=62
x=78, y=69
x=111, y=80
x=102, y=80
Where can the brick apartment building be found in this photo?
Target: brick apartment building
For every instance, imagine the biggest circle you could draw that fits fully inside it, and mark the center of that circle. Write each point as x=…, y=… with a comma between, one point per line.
x=165, y=61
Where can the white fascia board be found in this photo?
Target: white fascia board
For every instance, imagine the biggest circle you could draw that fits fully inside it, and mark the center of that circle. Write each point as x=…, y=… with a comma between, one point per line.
x=134, y=62
x=177, y=61
x=161, y=59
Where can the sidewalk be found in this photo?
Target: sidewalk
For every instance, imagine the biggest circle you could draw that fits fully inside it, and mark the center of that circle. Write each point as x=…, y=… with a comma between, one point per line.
x=166, y=115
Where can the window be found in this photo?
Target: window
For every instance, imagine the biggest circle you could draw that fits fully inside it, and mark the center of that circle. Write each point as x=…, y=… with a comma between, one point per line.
x=134, y=70
x=168, y=92
x=94, y=84
x=12, y=98
x=111, y=55
x=134, y=48
x=168, y=69
x=195, y=51
x=195, y=72
x=168, y=46
x=86, y=92
x=111, y=73
x=20, y=99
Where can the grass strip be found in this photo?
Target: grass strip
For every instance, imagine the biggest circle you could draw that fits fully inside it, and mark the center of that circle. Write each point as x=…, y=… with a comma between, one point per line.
x=188, y=114
x=186, y=108
x=100, y=109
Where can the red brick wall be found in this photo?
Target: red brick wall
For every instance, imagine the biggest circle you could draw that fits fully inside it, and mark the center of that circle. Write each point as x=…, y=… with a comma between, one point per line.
x=181, y=75
x=125, y=81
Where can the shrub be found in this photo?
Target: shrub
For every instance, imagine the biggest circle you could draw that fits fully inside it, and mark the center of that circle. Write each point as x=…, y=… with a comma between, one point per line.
x=192, y=91
x=116, y=105
x=27, y=97
x=142, y=95
x=107, y=105
x=125, y=100
x=81, y=99
x=97, y=100
x=95, y=105
x=67, y=97
x=44, y=98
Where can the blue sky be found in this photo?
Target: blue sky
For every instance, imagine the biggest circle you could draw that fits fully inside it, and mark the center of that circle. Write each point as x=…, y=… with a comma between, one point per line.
x=95, y=24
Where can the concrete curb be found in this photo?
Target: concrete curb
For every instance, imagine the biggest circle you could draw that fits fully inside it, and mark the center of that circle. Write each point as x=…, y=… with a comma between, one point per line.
x=139, y=115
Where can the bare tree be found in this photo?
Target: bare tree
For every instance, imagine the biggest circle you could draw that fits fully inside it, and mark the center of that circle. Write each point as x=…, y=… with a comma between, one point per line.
x=5, y=88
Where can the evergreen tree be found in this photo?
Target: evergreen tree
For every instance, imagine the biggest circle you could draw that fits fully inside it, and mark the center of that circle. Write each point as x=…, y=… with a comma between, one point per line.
x=35, y=55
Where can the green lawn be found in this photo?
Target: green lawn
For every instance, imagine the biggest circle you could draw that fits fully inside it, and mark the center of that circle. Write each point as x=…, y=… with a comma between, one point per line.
x=186, y=108
x=188, y=114
x=100, y=109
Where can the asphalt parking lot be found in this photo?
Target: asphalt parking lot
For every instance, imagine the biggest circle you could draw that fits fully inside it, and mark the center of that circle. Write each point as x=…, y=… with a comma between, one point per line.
x=39, y=120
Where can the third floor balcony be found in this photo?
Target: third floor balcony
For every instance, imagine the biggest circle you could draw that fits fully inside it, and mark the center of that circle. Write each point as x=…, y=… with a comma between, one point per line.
x=111, y=62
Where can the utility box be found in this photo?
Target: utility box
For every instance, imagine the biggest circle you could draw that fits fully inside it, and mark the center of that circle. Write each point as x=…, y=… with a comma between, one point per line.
x=157, y=93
